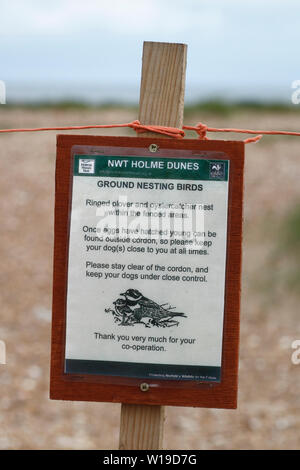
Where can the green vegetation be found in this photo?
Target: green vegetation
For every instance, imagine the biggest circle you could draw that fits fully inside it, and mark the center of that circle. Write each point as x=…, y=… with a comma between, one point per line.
x=280, y=270
x=68, y=105
x=291, y=231
x=218, y=106
x=225, y=108
x=290, y=246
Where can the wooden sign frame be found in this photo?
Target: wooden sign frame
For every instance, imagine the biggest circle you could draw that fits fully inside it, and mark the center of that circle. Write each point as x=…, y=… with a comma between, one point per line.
x=127, y=390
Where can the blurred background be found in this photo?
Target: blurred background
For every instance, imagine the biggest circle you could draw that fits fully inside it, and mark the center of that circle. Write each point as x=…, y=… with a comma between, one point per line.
x=79, y=63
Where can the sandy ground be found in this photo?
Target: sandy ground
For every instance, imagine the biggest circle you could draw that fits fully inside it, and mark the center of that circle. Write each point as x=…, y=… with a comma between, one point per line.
x=269, y=399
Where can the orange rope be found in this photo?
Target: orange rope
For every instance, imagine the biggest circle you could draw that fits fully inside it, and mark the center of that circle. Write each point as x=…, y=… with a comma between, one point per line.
x=200, y=128
x=135, y=125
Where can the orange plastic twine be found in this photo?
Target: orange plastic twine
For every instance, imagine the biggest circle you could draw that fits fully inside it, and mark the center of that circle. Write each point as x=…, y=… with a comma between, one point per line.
x=202, y=129
x=135, y=125
x=174, y=132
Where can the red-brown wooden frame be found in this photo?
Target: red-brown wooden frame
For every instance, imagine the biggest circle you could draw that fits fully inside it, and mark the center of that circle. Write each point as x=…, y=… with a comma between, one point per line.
x=127, y=390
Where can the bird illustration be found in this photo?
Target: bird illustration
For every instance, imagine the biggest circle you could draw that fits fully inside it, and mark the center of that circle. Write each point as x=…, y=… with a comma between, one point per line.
x=132, y=296
x=122, y=310
x=143, y=307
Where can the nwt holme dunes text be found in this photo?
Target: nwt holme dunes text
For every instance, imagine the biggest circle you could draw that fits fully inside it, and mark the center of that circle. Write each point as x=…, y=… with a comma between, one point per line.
x=153, y=164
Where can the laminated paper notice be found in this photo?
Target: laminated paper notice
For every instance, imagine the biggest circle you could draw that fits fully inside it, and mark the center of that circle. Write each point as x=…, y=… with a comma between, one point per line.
x=146, y=272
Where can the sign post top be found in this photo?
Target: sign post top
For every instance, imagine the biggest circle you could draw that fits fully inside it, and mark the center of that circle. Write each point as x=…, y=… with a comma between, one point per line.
x=163, y=84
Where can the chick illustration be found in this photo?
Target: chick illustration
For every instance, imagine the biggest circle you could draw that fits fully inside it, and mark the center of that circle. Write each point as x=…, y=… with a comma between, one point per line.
x=123, y=311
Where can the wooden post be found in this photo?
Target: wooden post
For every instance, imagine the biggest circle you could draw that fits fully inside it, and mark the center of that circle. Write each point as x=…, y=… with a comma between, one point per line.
x=163, y=84
x=161, y=103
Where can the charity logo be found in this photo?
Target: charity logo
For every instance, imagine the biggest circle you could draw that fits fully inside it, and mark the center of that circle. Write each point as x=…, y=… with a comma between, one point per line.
x=133, y=308
x=217, y=170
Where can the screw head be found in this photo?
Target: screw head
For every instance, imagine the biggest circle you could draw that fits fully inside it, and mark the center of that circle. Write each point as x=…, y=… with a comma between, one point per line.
x=153, y=148
x=144, y=387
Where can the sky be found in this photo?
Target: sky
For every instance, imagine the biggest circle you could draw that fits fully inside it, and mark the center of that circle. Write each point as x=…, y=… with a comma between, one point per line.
x=236, y=49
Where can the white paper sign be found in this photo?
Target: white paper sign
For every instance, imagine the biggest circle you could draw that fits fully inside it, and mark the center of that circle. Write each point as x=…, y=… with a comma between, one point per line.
x=146, y=275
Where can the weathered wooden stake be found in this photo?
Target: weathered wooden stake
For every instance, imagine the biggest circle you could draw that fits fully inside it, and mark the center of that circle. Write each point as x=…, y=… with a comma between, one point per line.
x=161, y=103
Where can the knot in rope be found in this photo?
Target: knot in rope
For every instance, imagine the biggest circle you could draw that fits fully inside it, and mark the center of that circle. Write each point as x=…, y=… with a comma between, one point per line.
x=201, y=130
x=164, y=130
x=174, y=132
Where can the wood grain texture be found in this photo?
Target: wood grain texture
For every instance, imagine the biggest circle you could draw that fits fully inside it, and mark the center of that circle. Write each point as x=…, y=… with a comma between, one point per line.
x=141, y=427
x=126, y=390
x=161, y=103
x=163, y=84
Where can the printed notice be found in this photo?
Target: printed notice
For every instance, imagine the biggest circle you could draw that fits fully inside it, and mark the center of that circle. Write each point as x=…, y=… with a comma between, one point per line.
x=146, y=273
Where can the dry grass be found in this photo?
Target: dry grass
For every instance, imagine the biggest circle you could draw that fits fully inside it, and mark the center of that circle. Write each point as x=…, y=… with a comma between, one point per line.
x=269, y=400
